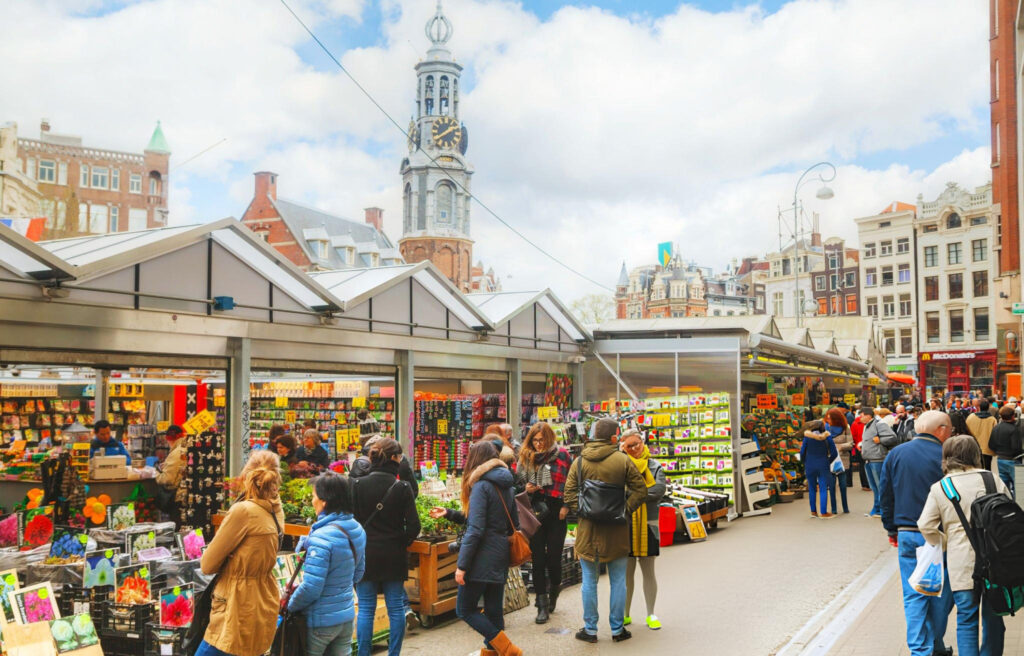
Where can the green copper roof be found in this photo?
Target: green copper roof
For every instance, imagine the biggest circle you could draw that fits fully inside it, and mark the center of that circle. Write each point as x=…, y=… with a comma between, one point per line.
x=158, y=142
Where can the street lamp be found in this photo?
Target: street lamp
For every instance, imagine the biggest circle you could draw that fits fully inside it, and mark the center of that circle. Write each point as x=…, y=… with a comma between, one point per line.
x=824, y=193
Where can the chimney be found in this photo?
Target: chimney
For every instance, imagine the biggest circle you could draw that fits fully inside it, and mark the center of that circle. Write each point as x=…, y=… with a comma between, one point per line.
x=44, y=125
x=266, y=184
x=815, y=230
x=375, y=218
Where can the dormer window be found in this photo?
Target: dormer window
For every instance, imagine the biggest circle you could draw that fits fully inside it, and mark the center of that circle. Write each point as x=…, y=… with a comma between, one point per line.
x=953, y=221
x=263, y=234
x=320, y=248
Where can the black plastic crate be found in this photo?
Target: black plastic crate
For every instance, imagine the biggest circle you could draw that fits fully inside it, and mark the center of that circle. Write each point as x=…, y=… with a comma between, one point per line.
x=75, y=600
x=164, y=640
x=117, y=645
x=127, y=620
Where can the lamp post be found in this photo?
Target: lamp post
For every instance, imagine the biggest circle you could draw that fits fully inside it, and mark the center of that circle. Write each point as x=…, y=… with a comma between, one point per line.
x=825, y=193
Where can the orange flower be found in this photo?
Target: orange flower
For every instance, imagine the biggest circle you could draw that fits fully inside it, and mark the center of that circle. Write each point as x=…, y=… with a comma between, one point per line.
x=96, y=509
x=35, y=497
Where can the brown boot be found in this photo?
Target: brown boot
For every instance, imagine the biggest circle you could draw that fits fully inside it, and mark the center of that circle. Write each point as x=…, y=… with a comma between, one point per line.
x=504, y=646
x=488, y=652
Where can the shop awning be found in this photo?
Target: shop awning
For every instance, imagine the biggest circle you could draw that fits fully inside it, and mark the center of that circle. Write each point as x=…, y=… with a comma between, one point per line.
x=903, y=379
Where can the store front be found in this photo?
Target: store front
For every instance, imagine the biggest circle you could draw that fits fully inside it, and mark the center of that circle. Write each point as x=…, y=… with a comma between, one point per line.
x=957, y=372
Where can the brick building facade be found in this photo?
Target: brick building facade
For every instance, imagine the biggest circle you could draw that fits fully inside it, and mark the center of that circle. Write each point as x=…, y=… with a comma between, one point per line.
x=837, y=288
x=89, y=190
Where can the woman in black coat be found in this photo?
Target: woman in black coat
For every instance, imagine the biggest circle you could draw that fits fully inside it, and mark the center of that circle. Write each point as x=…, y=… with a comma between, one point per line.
x=484, y=553
x=389, y=532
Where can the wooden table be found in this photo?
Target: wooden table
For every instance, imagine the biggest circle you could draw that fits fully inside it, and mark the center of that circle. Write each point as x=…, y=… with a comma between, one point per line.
x=434, y=564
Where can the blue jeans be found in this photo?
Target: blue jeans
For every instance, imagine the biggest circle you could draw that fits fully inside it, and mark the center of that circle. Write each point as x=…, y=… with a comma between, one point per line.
x=330, y=640
x=926, y=616
x=491, y=621
x=206, y=649
x=817, y=484
x=1006, y=473
x=393, y=592
x=616, y=600
x=992, y=627
x=874, y=470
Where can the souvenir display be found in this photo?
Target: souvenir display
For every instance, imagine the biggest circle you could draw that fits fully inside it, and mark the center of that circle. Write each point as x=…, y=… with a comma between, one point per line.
x=203, y=481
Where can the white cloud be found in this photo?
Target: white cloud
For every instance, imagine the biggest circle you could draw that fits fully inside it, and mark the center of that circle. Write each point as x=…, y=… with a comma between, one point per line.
x=596, y=135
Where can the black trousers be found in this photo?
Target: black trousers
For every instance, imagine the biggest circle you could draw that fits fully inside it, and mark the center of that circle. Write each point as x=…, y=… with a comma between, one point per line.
x=546, y=545
x=856, y=457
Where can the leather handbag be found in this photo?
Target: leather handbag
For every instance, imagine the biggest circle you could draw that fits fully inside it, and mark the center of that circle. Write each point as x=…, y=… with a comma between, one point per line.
x=600, y=502
x=518, y=544
x=529, y=523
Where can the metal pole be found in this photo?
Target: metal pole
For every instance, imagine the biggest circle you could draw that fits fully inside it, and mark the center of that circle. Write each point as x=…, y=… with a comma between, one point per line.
x=796, y=261
x=239, y=405
x=514, y=407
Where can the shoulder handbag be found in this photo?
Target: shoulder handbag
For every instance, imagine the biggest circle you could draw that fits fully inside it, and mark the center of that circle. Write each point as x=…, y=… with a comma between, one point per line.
x=380, y=504
x=600, y=502
x=529, y=522
x=518, y=544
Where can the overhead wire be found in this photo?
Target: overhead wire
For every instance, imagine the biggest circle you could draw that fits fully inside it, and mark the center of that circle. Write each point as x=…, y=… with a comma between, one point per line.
x=432, y=159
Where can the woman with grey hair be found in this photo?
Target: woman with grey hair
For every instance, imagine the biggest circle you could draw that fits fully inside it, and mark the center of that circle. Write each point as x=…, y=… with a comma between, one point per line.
x=644, y=533
x=961, y=464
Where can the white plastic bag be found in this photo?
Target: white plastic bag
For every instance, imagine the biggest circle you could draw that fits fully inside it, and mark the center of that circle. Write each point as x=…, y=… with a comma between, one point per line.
x=929, y=574
x=837, y=467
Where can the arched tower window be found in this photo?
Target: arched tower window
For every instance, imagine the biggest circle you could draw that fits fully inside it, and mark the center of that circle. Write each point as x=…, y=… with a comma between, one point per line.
x=455, y=96
x=428, y=94
x=953, y=221
x=407, y=209
x=445, y=199
x=443, y=104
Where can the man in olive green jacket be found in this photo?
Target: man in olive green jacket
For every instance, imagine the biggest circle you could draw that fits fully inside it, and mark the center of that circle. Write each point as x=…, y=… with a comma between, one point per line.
x=598, y=543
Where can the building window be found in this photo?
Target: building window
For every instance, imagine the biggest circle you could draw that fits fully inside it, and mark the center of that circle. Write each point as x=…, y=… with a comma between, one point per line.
x=62, y=173
x=777, y=304
x=83, y=180
x=115, y=179
x=822, y=306
x=954, y=253
x=869, y=250
x=870, y=277
x=931, y=227
x=100, y=177
x=953, y=221
x=931, y=288
x=851, y=279
x=888, y=307
x=956, y=285
x=833, y=261
x=445, y=204
x=137, y=219
x=154, y=184
x=47, y=171
x=931, y=320
x=851, y=304
x=886, y=275
x=906, y=305
x=787, y=266
x=906, y=341
x=931, y=256
x=115, y=211
x=30, y=167
x=835, y=305
x=980, y=324
x=135, y=183
x=872, y=307
x=98, y=219
x=889, y=337
x=819, y=283
x=979, y=220
x=979, y=249
x=903, y=273
x=885, y=248
x=980, y=280
x=884, y=224
x=956, y=325
x=833, y=281
x=903, y=245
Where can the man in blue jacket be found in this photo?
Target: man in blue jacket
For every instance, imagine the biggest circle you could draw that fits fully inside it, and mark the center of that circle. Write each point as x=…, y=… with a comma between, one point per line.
x=105, y=444
x=908, y=474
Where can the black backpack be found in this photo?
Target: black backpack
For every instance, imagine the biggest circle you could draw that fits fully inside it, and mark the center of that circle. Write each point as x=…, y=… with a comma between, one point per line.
x=996, y=532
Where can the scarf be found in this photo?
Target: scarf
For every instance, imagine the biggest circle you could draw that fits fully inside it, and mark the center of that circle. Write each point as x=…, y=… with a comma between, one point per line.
x=640, y=532
x=834, y=431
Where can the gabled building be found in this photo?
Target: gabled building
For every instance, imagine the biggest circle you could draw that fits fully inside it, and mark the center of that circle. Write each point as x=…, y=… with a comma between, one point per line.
x=837, y=288
x=313, y=239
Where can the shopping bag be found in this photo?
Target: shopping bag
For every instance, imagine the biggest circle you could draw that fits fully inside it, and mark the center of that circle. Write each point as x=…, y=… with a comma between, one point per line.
x=928, y=575
x=837, y=466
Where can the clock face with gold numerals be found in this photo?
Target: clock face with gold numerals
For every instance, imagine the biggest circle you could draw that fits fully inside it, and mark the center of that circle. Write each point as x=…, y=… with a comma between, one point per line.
x=446, y=132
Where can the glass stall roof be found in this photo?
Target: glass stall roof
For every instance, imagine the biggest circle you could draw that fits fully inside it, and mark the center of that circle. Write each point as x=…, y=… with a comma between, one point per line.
x=80, y=251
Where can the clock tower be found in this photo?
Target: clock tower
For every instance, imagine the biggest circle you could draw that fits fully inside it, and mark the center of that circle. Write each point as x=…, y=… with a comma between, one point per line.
x=435, y=175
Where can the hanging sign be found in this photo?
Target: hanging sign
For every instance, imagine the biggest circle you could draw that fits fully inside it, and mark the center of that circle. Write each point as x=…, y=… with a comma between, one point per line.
x=162, y=426
x=767, y=402
x=694, y=523
x=849, y=398
x=200, y=422
x=798, y=399
x=547, y=412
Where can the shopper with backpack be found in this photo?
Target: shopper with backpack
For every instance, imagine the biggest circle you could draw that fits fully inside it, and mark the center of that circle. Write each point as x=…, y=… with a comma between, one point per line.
x=965, y=480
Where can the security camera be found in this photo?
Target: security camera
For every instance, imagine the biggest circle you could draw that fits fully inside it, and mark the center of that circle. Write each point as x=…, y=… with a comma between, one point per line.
x=15, y=372
x=578, y=359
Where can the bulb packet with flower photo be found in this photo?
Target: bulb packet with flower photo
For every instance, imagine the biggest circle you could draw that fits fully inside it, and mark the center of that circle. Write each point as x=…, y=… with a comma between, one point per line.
x=177, y=606
x=8, y=583
x=99, y=568
x=73, y=633
x=35, y=603
x=191, y=544
x=132, y=585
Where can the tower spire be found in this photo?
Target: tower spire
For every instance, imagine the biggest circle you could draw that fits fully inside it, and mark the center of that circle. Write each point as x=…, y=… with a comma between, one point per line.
x=439, y=29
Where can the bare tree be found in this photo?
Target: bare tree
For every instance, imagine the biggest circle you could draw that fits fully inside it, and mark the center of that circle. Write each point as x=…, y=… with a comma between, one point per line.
x=593, y=308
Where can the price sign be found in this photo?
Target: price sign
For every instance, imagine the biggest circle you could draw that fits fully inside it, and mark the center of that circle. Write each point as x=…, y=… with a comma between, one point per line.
x=280, y=401
x=849, y=398
x=289, y=416
x=767, y=402
x=442, y=426
x=220, y=401
x=359, y=402
x=547, y=412
x=826, y=398
x=798, y=399
x=162, y=426
x=200, y=422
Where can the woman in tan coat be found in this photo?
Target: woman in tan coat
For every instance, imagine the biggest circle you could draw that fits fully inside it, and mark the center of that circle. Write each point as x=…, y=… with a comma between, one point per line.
x=246, y=600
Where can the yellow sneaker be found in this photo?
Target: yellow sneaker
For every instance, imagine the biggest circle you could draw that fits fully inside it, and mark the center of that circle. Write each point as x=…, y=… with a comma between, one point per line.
x=652, y=622
x=626, y=621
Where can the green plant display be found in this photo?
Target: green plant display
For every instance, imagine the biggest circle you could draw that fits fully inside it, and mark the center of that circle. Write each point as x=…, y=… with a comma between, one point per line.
x=297, y=500
x=429, y=525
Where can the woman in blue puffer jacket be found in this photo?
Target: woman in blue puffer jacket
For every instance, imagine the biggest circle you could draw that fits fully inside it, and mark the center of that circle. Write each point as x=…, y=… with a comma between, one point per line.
x=334, y=563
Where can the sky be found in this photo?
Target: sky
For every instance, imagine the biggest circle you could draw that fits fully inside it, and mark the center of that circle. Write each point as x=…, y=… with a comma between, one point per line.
x=598, y=129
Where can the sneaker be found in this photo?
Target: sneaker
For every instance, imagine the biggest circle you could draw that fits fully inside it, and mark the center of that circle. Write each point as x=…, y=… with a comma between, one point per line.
x=583, y=636
x=411, y=621
x=814, y=515
x=827, y=516
x=625, y=635
x=626, y=621
x=652, y=622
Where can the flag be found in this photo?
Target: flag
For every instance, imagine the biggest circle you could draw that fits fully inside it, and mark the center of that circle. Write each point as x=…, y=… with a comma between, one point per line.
x=28, y=228
x=664, y=253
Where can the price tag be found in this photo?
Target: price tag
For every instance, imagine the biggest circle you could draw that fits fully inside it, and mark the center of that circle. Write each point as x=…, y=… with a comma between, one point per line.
x=826, y=398
x=43, y=593
x=200, y=422
x=280, y=401
x=109, y=553
x=849, y=398
x=199, y=532
x=798, y=399
x=83, y=538
x=11, y=579
x=547, y=413
x=767, y=402
x=220, y=401
x=289, y=416
x=359, y=402
x=442, y=426
x=144, y=572
x=177, y=591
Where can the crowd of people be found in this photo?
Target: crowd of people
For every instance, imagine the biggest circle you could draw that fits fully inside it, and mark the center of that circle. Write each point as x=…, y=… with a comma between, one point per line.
x=925, y=469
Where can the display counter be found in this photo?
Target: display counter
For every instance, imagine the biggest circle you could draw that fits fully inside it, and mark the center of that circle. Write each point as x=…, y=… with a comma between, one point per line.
x=13, y=492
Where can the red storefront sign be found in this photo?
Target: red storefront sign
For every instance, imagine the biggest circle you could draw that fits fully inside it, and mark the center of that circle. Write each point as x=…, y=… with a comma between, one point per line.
x=958, y=371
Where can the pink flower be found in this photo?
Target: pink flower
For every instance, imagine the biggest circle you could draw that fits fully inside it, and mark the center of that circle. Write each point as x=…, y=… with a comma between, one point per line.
x=36, y=609
x=9, y=531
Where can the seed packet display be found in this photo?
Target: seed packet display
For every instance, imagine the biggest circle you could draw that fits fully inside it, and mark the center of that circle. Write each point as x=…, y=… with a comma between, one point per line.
x=136, y=542
x=8, y=583
x=121, y=516
x=35, y=527
x=191, y=544
x=177, y=605
x=99, y=568
x=72, y=633
x=35, y=603
x=132, y=585
x=68, y=543
x=9, y=530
